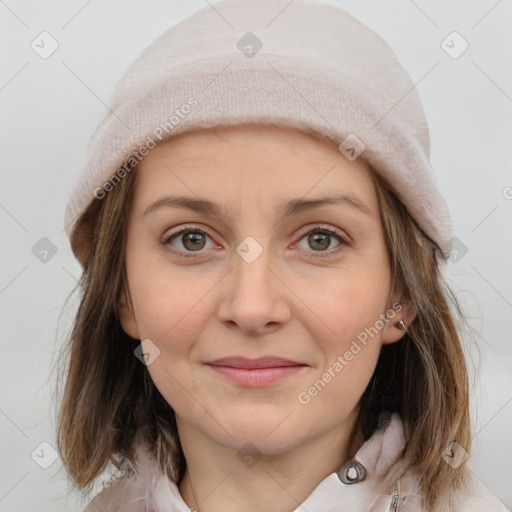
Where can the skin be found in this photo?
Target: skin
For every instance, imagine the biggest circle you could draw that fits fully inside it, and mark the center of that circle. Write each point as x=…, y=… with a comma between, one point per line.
x=285, y=303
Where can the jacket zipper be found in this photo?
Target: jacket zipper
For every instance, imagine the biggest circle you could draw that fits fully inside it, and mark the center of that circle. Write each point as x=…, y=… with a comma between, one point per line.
x=394, y=502
x=395, y=498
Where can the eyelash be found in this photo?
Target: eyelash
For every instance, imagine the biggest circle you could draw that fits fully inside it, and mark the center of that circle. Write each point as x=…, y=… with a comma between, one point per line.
x=317, y=229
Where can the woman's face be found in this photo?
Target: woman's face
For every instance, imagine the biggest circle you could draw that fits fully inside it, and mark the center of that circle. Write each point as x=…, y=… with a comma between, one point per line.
x=222, y=262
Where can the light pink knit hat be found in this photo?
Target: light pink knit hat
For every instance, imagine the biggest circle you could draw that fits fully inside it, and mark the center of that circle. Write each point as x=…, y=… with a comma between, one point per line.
x=302, y=64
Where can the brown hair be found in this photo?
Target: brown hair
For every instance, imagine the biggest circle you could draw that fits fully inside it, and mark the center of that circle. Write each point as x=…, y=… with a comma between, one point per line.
x=109, y=396
x=424, y=376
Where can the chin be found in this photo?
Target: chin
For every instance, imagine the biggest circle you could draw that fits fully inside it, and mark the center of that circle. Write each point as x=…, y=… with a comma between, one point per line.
x=270, y=435
x=263, y=444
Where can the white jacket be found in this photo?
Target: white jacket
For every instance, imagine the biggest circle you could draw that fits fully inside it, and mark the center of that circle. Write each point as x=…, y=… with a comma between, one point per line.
x=152, y=491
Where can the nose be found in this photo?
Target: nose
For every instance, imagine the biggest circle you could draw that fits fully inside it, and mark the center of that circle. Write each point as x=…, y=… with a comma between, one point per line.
x=255, y=298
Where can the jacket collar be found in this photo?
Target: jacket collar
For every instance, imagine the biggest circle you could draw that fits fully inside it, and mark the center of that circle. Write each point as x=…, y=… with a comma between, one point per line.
x=377, y=455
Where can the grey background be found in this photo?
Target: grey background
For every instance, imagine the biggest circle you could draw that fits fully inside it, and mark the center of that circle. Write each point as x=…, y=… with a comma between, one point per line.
x=49, y=108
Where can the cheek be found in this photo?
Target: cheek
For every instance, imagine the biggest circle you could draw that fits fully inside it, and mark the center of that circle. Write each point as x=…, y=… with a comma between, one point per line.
x=340, y=308
x=337, y=387
x=348, y=310
x=175, y=385
x=169, y=304
x=174, y=322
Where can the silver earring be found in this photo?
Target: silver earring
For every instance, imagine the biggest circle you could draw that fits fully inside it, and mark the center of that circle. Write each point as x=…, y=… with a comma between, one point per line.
x=400, y=325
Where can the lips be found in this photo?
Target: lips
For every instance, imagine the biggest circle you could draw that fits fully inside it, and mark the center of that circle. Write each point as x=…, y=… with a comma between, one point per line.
x=251, y=364
x=255, y=372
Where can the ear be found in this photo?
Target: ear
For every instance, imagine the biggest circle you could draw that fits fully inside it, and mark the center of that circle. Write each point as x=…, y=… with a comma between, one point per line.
x=124, y=312
x=407, y=313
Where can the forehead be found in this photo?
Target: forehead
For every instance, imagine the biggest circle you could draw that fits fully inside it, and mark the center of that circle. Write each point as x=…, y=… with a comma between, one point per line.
x=263, y=161
x=279, y=140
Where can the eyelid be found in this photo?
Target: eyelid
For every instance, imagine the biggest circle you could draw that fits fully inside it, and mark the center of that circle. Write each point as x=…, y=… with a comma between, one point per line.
x=184, y=229
x=345, y=240
x=328, y=228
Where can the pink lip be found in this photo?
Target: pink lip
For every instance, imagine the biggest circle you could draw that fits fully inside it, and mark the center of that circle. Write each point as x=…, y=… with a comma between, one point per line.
x=255, y=372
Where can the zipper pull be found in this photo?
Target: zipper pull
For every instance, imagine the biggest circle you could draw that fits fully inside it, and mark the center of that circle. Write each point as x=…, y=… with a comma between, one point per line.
x=394, y=502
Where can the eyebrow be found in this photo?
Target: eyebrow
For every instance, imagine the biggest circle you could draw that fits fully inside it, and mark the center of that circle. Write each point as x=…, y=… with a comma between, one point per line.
x=292, y=207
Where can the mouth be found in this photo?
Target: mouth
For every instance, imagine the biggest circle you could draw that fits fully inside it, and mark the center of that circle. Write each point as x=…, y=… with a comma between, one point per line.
x=255, y=372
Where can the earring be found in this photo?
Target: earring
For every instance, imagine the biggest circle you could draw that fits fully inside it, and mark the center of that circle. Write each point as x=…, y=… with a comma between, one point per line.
x=401, y=325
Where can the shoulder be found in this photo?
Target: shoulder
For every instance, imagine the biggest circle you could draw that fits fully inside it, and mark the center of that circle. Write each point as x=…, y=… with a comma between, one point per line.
x=476, y=497
x=126, y=493
x=136, y=487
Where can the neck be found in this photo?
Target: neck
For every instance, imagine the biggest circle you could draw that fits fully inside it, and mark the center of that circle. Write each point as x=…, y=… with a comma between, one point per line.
x=216, y=480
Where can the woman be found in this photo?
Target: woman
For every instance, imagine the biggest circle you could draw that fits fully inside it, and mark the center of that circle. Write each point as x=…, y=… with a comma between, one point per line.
x=264, y=325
